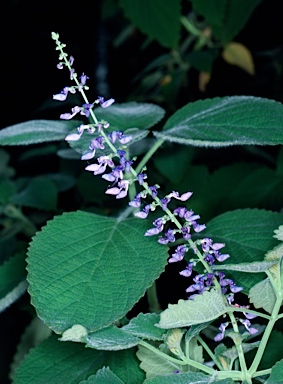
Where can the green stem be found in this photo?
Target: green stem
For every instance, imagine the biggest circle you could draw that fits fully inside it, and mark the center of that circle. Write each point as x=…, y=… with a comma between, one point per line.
x=239, y=347
x=266, y=335
x=152, y=299
x=188, y=361
x=209, y=352
x=236, y=309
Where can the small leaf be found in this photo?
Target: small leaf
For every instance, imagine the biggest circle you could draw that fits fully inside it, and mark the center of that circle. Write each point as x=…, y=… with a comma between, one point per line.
x=187, y=378
x=195, y=330
x=262, y=295
x=259, y=266
x=276, y=374
x=40, y=193
x=279, y=233
x=111, y=339
x=131, y=115
x=103, y=376
x=202, y=308
x=104, y=263
x=76, y=333
x=237, y=54
x=12, y=280
x=216, y=123
x=144, y=326
x=36, y=131
x=155, y=365
x=158, y=19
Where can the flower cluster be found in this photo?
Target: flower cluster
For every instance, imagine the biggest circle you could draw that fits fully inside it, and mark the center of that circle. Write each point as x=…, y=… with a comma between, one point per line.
x=173, y=225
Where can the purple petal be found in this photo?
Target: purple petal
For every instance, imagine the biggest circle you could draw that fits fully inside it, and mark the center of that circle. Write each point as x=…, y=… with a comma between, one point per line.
x=88, y=155
x=107, y=103
x=113, y=191
x=73, y=137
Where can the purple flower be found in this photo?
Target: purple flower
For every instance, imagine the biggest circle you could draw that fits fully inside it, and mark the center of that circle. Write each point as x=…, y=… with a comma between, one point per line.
x=248, y=327
x=62, y=96
x=99, y=168
x=144, y=213
x=86, y=109
x=222, y=328
x=103, y=103
x=120, y=191
x=83, y=79
x=169, y=237
x=159, y=225
x=187, y=271
x=68, y=116
x=94, y=144
x=178, y=255
x=183, y=197
x=141, y=178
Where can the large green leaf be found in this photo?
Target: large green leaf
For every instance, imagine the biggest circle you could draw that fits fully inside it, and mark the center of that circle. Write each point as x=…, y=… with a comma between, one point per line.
x=248, y=235
x=90, y=270
x=221, y=122
x=187, y=378
x=131, y=115
x=36, y=131
x=158, y=19
x=69, y=363
x=226, y=17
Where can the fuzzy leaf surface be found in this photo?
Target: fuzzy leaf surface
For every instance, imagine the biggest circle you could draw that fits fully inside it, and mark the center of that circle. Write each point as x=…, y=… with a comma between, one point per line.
x=69, y=363
x=155, y=365
x=103, y=376
x=221, y=122
x=201, y=309
x=36, y=131
x=262, y=295
x=111, y=339
x=144, y=326
x=185, y=378
x=256, y=267
x=248, y=235
x=131, y=115
x=90, y=270
x=158, y=19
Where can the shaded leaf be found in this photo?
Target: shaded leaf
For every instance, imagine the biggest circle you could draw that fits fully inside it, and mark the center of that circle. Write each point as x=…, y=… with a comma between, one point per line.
x=131, y=115
x=103, y=376
x=220, y=122
x=262, y=295
x=111, y=339
x=144, y=326
x=276, y=374
x=103, y=263
x=158, y=19
x=248, y=235
x=36, y=131
x=256, y=267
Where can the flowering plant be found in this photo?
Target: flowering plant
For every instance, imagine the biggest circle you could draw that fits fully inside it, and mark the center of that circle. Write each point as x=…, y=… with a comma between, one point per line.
x=87, y=269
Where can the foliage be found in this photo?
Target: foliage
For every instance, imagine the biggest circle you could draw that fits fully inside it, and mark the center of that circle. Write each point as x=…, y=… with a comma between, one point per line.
x=92, y=241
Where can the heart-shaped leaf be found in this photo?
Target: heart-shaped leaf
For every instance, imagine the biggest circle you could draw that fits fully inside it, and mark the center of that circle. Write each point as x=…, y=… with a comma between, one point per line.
x=90, y=270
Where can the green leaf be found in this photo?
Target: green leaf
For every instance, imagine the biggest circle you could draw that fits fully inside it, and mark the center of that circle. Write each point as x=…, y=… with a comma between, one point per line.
x=144, y=327
x=276, y=374
x=69, y=363
x=257, y=267
x=131, y=115
x=248, y=235
x=12, y=280
x=36, y=131
x=155, y=365
x=273, y=351
x=40, y=193
x=185, y=378
x=195, y=330
x=262, y=295
x=158, y=19
x=279, y=233
x=35, y=333
x=203, y=308
x=111, y=339
x=226, y=17
x=221, y=122
x=103, y=376
x=103, y=263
